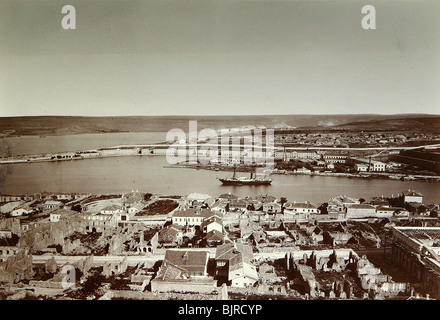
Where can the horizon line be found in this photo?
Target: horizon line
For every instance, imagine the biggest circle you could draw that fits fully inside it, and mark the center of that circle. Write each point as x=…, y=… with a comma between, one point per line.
x=227, y=115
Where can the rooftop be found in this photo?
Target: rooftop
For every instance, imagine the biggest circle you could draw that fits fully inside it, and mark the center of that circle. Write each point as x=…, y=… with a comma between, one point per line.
x=229, y=250
x=361, y=206
x=190, y=260
x=413, y=193
x=306, y=205
x=421, y=233
x=192, y=212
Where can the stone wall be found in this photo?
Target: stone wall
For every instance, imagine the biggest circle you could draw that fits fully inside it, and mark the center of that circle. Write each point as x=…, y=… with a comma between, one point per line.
x=208, y=286
x=136, y=295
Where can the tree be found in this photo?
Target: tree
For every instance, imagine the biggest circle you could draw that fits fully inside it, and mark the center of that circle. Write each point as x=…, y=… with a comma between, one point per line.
x=323, y=208
x=283, y=200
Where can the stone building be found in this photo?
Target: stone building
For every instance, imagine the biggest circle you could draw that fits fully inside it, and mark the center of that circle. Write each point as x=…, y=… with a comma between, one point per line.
x=184, y=271
x=416, y=251
x=360, y=211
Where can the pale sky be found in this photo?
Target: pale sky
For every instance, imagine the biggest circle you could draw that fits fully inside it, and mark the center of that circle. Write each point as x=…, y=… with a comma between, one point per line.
x=219, y=57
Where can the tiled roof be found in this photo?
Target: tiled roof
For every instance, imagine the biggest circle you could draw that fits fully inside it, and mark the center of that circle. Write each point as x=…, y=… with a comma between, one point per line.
x=390, y=209
x=210, y=220
x=422, y=233
x=361, y=206
x=56, y=202
x=169, y=234
x=265, y=198
x=238, y=202
x=198, y=196
x=413, y=193
x=306, y=205
x=239, y=266
x=170, y=271
x=190, y=260
x=228, y=196
x=214, y=235
x=192, y=213
x=228, y=251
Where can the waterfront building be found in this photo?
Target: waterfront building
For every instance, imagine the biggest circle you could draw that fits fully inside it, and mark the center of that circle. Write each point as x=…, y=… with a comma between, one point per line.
x=361, y=167
x=377, y=166
x=412, y=197
x=334, y=158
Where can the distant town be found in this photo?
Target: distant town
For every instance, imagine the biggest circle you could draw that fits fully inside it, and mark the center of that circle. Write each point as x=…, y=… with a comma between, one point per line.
x=143, y=246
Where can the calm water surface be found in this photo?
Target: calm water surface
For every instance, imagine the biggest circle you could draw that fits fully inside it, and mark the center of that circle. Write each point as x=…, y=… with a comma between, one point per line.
x=78, y=142
x=147, y=173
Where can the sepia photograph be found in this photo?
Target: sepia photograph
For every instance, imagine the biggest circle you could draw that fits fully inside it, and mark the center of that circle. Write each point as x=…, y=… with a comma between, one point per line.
x=220, y=154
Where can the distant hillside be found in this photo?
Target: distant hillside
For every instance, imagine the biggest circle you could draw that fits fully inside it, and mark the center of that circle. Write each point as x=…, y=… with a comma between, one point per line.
x=64, y=125
x=423, y=124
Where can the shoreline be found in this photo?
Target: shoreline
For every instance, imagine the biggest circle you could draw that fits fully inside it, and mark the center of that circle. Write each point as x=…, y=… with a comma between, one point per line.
x=160, y=149
x=130, y=152
x=369, y=175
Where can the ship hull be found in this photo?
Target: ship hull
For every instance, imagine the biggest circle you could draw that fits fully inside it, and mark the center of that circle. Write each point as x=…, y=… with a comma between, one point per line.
x=231, y=182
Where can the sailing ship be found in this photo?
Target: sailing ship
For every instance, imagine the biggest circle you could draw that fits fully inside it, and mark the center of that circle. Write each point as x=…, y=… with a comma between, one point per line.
x=245, y=181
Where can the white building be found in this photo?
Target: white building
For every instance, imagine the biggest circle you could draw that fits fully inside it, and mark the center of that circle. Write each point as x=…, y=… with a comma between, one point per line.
x=113, y=209
x=19, y=212
x=302, y=170
x=52, y=204
x=413, y=196
x=243, y=275
x=135, y=208
x=388, y=212
x=190, y=217
x=360, y=167
x=65, y=196
x=212, y=223
x=55, y=217
x=335, y=158
x=377, y=166
x=299, y=208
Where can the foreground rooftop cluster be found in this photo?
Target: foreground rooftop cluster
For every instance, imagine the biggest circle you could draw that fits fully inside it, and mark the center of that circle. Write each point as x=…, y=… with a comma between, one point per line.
x=143, y=246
